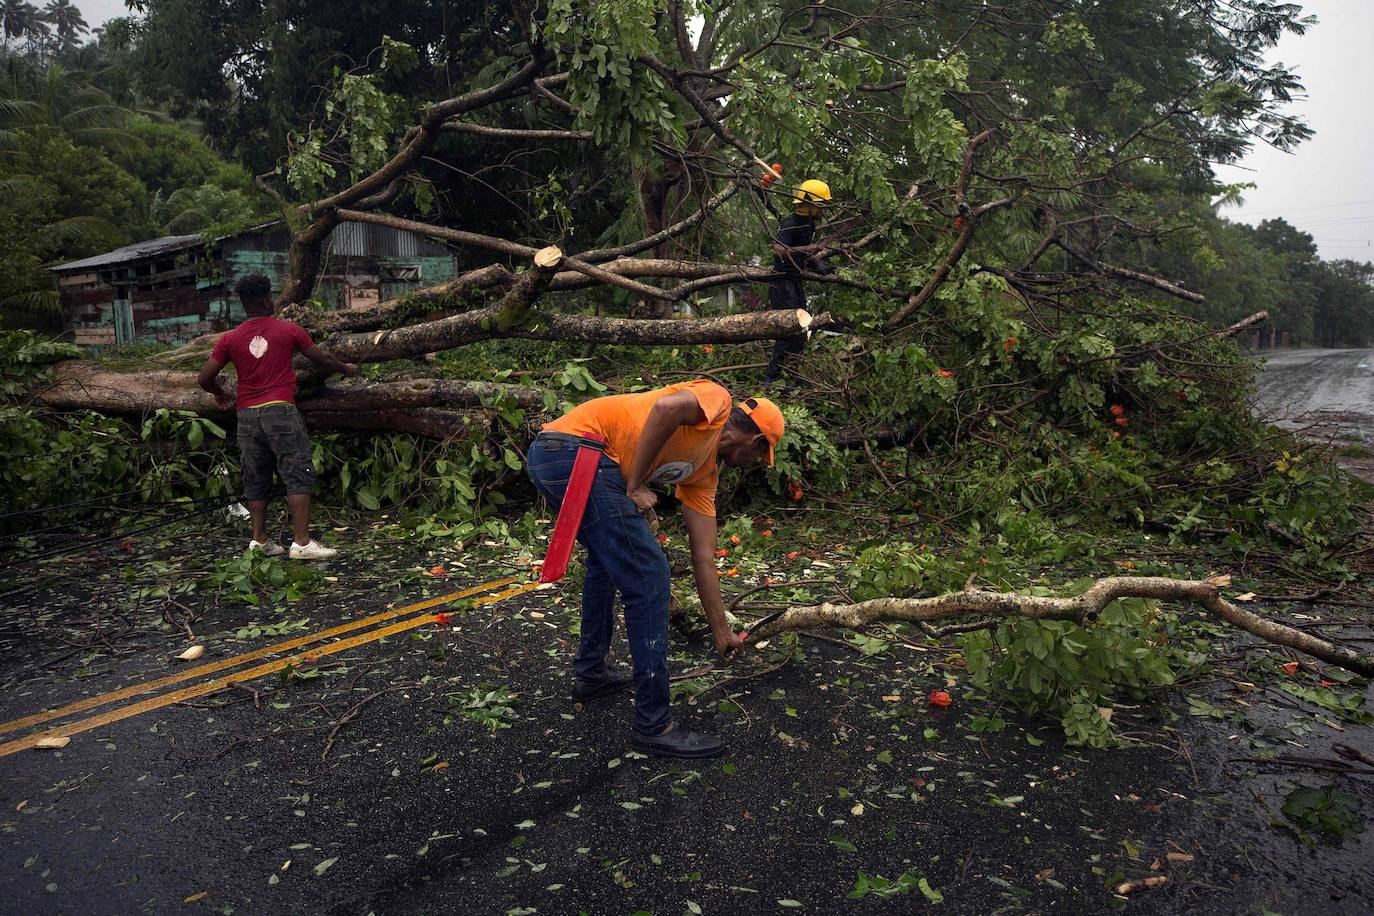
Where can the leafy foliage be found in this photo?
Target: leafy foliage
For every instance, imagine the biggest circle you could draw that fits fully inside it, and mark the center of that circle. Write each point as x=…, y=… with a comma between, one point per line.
x=1074, y=672
x=1326, y=812
x=488, y=704
x=254, y=575
x=23, y=355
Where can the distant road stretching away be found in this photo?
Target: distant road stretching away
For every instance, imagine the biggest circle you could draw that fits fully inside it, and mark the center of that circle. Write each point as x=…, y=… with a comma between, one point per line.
x=1331, y=388
x=1329, y=394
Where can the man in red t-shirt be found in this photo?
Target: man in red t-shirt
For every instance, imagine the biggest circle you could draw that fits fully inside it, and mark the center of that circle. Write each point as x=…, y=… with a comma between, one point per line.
x=270, y=429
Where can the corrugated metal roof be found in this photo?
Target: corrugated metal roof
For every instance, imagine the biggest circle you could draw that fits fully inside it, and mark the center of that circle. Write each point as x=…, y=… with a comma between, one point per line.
x=346, y=240
x=134, y=252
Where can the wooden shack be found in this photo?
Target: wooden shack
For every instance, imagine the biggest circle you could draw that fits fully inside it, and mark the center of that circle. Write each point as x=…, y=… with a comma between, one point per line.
x=174, y=289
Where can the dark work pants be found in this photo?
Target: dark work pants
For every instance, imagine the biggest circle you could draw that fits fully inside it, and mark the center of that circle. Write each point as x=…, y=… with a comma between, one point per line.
x=784, y=293
x=624, y=557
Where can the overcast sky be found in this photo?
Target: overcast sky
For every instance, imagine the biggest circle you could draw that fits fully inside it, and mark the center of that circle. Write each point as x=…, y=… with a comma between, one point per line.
x=1327, y=186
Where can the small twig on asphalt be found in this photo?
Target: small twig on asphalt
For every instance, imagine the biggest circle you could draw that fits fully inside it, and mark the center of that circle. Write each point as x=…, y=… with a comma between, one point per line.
x=1306, y=763
x=745, y=677
x=257, y=696
x=353, y=711
x=1350, y=753
x=839, y=642
x=695, y=672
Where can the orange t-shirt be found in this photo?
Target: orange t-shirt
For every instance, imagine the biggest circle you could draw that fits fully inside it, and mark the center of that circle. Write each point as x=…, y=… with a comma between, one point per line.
x=688, y=459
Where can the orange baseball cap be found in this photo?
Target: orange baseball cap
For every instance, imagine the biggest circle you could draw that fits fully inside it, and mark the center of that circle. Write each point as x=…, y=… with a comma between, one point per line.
x=768, y=419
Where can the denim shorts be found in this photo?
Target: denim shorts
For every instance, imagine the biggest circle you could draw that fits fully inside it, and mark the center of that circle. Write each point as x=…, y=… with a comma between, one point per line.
x=274, y=437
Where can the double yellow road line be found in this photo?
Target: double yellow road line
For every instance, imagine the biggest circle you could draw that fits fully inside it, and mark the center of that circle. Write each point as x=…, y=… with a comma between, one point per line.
x=219, y=683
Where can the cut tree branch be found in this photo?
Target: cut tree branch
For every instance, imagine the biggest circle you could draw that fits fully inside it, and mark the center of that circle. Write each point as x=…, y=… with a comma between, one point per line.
x=1243, y=324
x=503, y=321
x=1123, y=273
x=968, y=223
x=1082, y=609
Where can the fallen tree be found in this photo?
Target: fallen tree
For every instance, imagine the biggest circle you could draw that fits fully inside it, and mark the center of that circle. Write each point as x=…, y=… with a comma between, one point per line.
x=1020, y=352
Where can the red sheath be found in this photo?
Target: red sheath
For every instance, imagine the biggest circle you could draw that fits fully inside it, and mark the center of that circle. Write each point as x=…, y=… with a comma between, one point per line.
x=570, y=515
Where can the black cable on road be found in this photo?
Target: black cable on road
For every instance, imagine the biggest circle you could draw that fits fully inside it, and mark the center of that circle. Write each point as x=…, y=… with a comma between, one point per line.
x=138, y=510
x=62, y=552
x=39, y=510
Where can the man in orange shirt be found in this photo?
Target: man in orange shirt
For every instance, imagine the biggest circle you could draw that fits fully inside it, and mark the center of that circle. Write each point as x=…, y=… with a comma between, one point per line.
x=676, y=435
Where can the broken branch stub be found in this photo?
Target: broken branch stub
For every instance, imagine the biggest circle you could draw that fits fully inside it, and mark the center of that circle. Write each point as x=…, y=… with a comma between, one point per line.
x=548, y=258
x=1082, y=609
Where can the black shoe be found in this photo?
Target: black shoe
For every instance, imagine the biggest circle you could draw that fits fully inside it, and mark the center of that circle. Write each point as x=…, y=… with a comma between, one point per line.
x=678, y=742
x=587, y=689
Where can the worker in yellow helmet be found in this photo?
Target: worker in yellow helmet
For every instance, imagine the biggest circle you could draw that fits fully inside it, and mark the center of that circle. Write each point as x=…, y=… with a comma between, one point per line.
x=793, y=254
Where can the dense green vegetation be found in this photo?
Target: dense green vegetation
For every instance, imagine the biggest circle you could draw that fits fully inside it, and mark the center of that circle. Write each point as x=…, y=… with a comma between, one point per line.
x=87, y=167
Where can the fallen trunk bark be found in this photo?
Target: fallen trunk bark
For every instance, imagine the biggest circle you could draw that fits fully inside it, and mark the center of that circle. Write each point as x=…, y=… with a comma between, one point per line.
x=1082, y=609
x=465, y=292
x=420, y=392
x=488, y=324
x=421, y=421
x=413, y=405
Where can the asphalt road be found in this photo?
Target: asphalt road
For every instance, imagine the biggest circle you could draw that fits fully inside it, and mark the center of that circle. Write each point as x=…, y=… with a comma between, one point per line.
x=1326, y=393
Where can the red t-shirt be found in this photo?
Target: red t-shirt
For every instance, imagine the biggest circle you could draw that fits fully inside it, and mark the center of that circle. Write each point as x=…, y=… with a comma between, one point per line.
x=261, y=350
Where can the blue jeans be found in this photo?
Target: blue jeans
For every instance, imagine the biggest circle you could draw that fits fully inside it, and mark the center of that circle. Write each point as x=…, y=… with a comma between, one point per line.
x=624, y=557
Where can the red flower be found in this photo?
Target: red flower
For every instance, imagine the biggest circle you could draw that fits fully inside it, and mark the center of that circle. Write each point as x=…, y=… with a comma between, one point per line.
x=938, y=698
x=794, y=490
x=793, y=555
x=1120, y=421
x=707, y=348
x=732, y=573
x=944, y=373
x=1118, y=410
x=438, y=571
x=722, y=552
x=766, y=533
x=442, y=619
x=1290, y=667
x=663, y=538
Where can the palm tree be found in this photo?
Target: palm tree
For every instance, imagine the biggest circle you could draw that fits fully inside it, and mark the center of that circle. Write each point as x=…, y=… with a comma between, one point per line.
x=21, y=18
x=67, y=21
x=188, y=210
x=61, y=99
x=51, y=239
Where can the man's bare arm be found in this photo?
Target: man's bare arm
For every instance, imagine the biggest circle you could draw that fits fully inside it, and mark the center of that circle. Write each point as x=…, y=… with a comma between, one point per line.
x=327, y=360
x=701, y=537
x=668, y=414
x=208, y=378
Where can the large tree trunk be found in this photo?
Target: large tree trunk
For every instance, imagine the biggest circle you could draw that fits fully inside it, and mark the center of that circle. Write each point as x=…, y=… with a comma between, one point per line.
x=502, y=321
x=437, y=408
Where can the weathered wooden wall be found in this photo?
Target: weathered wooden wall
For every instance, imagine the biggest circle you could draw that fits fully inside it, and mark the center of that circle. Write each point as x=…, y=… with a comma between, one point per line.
x=173, y=296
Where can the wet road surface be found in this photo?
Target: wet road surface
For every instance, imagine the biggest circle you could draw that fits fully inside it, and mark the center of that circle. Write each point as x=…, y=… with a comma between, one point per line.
x=1328, y=393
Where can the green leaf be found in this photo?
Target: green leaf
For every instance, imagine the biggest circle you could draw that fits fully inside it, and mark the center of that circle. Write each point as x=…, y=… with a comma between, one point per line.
x=325, y=865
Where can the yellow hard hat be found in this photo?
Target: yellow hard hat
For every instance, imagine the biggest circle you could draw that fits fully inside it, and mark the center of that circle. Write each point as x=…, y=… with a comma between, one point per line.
x=812, y=191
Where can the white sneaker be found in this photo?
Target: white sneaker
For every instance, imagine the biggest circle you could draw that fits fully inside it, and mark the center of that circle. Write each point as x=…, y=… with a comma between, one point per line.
x=312, y=551
x=269, y=548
